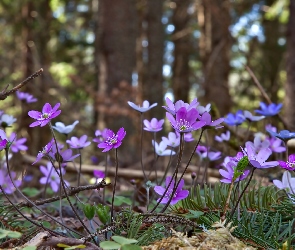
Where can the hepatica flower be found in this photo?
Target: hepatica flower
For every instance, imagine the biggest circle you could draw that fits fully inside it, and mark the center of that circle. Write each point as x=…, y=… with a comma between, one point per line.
x=63, y=129
x=290, y=164
x=112, y=140
x=45, y=116
x=202, y=109
x=45, y=151
x=269, y=110
x=228, y=172
x=6, y=120
x=62, y=156
x=3, y=140
x=185, y=121
x=145, y=106
x=275, y=145
x=178, y=195
x=251, y=118
x=206, y=117
x=161, y=149
x=173, y=108
x=173, y=140
x=211, y=156
x=235, y=119
x=79, y=143
x=287, y=183
x=154, y=125
x=284, y=135
x=223, y=137
x=257, y=145
x=26, y=97
x=17, y=145
x=6, y=183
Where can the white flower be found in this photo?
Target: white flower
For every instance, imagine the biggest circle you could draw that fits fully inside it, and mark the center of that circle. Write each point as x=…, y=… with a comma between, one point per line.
x=173, y=140
x=252, y=118
x=287, y=183
x=161, y=149
x=63, y=129
x=6, y=120
x=223, y=137
x=145, y=106
x=202, y=109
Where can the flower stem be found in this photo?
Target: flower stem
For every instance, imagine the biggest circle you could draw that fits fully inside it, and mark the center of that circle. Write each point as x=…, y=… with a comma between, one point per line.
x=114, y=188
x=228, y=197
x=80, y=162
x=141, y=139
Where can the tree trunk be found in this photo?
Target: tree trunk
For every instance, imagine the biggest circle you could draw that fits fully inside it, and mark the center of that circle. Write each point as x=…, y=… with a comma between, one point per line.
x=290, y=84
x=182, y=49
x=215, y=44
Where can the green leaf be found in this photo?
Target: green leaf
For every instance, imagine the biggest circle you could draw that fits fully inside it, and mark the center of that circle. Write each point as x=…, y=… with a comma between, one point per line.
x=109, y=245
x=31, y=192
x=89, y=211
x=14, y=234
x=67, y=247
x=130, y=247
x=194, y=214
x=123, y=241
x=103, y=213
x=29, y=248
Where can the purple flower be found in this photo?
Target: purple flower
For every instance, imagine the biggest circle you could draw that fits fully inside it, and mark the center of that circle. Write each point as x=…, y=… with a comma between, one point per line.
x=202, y=109
x=6, y=120
x=161, y=149
x=188, y=137
x=173, y=109
x=17, y=145
x=113, y=140
x=101, y=135
x=28, y=98
x=3, y=139
x=212, y=156
x=258, y=144
x=98, y=174
x=63, y=129
x=290, y=164
x=80, y=143
x=185, y=120
x=94, y=159
x=45, y=151
x=228, y=173
x=269, y=110
x=235, y=119
x=173, y=140
x=62, y=156
x=287, y=183
x=45, y=116
x=145, y=106
x=51, y=177
x=6, y=183
x=251, y=118
x=206, y=117
x=223, y=137
x=284, y=135
x=178, y=195
x=275, y=145
x=154, y=125
x=258, y=160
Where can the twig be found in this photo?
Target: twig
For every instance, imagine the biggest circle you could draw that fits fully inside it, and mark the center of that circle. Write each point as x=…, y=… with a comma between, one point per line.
x=72, y=192
x=4, y=93
x=264, y=94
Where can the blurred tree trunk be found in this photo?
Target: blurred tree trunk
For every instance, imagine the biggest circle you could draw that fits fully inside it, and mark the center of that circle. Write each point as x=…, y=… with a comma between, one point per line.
x=215, y=43
x=153, y=77
x=290, y=84
x=182, y=48
x=116, y=53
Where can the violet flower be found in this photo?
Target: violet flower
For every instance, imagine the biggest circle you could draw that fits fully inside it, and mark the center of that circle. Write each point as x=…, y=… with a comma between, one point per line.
x=145, y=106
x=185, y=120
x=98, y=174
x=284, y=135
x=235, y=119
x=270, y=110
x=45, y=151
x=113, y=140
x=290, y=164
x=202, y=109
x=17, y=145
x=173, y=109
x=51, y=177
x=223, y=137
x=62, y=156
x=79, y=143
x=228, y=173
x=3, y=139
x=6, y=183
x=45, y=116
x=6, y=120
x=275, y=145
x=206, y=117
x=154, y=125
x=26, y=97
x=259, y=160
x=161, y=149
x=188, y=137
x=251, y=118
x=258, y=144
x=63, y=129
x=101, y=135
x=212, y=156
x=178, y=195
x=173, y=140
x=287, y=183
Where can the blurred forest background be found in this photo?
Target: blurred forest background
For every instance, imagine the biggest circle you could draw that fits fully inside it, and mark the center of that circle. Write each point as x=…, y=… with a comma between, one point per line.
x=99, y=54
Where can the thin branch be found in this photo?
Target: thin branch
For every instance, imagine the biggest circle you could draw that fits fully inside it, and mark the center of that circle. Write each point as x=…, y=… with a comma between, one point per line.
x=4, y=93
x=262, y=91
x=72, y=192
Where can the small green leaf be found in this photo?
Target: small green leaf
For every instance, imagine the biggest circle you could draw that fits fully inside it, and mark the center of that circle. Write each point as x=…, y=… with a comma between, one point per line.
x=194, y=214
x=130, y=247
x=242, y=164
x=46, y=224
x=103, y=213
x=14, y=234
x=123, y=241
x=31, y=192
x=29, y=248
x=109, y=245
x=89, y=211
